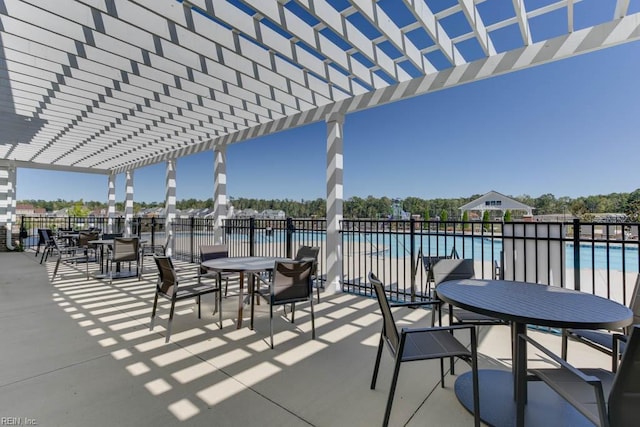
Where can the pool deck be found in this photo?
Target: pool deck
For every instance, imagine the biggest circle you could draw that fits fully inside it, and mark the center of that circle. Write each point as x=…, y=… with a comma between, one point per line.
x=78, y=352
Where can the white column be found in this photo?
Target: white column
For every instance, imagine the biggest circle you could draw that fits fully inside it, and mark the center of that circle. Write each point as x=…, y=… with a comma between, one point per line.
x=335, y=124
x=111, y=202
x=170, y=201
x=128, y=203
x=7, y=200
x=4, y=194
x=220, y=190
x=11, y=199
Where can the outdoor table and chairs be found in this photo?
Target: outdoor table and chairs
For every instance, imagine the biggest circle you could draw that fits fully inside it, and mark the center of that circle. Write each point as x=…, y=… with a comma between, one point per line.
x=507, y=398
x=242, y=266
x=105, y=271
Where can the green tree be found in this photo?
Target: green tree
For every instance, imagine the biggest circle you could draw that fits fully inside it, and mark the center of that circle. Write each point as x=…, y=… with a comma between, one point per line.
x=79, y=210
x=507, y=216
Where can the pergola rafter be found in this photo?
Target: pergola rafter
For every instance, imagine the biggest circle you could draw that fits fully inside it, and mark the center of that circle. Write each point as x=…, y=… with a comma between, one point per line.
x=113, y=85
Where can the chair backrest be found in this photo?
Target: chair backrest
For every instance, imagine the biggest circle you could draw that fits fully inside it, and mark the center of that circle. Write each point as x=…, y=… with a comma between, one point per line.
x=44, y=235
x=84, y=237
x=634, y=304
x=389, y=330
x=125, y=249
x=624, y=398
x=167, y=277
x=308, y=253
x=291, y=281
x=209, y=252
x=452, y=269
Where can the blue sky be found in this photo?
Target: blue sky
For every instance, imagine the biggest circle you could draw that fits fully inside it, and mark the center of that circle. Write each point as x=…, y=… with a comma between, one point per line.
x=569, y=128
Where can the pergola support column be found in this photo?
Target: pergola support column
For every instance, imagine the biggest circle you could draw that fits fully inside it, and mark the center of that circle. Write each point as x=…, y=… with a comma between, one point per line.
x=220, y=191
x=7, y=201
x=170, y=201
x=128, y=203
x=111, y=202
x=335, y=124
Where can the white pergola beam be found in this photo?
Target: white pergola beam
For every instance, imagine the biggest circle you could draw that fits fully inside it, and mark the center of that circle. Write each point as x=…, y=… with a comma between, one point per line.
x=582, y=41
x=473, y=16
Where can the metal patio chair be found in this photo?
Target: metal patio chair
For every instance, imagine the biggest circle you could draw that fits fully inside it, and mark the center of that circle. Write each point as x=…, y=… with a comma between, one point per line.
x=413, y=344
x=603, y=397
x=612, y=343
x=169, y=287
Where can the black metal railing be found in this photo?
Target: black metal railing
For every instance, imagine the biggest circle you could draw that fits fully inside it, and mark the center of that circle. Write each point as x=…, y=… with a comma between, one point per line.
x=597, y=257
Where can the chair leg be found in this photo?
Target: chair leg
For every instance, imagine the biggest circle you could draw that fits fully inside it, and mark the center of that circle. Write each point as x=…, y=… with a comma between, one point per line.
x=271, y=323
x=565, y=344
x=377, y=365
x=153, y=311
x=55, y=270
x=313, y=319
x=173, y=306
x=220, y=307
x=392, y=391
x=293, y=312
x=441, y=373
x=198, y=300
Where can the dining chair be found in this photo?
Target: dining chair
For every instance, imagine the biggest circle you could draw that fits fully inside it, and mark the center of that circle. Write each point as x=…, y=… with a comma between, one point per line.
x=458, y=269
x=68, y=254
x=168, y=286
x=42, y=241
x=413, y=344
x=290, y=283
x=605, y=398
x=84, y=237
x=153, y=250
x=209, y=252
x=125, y=249
x=612, y=343
x=45, y=235
x=311, y=253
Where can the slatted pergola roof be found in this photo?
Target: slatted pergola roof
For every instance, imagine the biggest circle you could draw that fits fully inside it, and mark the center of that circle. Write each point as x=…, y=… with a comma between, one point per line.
x=112, y=85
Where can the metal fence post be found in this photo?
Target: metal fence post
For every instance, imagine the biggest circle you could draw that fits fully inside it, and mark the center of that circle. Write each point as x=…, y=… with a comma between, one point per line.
x=576, y=254
x=192, y=221
x=412, y=251
x=252, y=236
x=153, y=231
x=289, y=243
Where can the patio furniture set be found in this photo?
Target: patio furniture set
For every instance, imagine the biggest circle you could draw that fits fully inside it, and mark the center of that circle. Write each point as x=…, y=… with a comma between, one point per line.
x=523, y=396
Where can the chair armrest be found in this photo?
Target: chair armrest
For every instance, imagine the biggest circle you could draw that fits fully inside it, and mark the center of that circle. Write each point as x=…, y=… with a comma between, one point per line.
x=413, y=304
x=437, y=328
x=563, y=363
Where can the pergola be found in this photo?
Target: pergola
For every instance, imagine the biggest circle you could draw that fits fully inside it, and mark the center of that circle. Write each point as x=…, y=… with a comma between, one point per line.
x=109, y=86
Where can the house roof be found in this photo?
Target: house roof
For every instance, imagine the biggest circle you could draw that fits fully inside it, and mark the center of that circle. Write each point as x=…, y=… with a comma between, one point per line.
x=108, y=86
x=492, y=201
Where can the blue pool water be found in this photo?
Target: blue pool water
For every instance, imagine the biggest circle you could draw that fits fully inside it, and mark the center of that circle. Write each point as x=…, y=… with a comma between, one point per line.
x=398, y=245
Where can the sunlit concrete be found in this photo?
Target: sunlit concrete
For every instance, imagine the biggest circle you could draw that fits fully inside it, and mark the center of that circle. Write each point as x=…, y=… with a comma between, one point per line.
x=79, y=352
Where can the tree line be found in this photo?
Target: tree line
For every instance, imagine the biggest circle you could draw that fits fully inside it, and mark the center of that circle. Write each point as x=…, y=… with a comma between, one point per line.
x=382, y=207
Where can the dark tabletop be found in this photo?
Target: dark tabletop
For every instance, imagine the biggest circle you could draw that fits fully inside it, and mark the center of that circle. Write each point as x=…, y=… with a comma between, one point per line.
x=242, y=264
x=535, y=304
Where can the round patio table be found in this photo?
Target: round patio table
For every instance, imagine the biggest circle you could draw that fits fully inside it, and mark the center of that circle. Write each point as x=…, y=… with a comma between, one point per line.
x=242, y=265
x=504, y=394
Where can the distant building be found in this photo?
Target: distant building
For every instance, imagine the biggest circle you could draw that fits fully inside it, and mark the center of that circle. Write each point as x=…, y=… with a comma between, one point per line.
x=497, y=204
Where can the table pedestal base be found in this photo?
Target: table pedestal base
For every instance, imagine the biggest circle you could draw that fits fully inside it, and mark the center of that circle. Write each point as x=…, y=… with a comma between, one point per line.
x=498, y=408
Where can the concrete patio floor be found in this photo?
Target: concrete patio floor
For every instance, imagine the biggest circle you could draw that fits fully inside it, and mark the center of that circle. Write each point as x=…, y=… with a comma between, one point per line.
x=78, y=352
